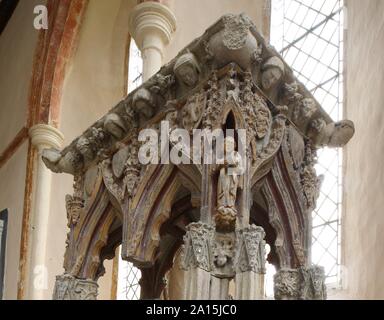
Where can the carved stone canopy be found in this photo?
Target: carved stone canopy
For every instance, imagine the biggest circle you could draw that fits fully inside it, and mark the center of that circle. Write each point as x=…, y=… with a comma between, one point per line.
x=229, y=78
x=232, y=39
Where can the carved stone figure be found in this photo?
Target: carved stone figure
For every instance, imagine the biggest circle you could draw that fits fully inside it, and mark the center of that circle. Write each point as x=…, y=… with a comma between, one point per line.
x=114, y=125
x=272, y=72
x=192, y=111
x=304, y=111
x=222, y=254
x=74, y=206
x=227, y=186
x=291, y=93
x=223, y=251
x=187, y=69
x=333, y=135
x=132, y=174
x=143, y=104
x=70, y=162
x=85, y=148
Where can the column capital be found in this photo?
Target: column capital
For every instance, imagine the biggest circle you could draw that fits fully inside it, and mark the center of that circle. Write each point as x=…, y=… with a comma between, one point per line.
x=67, y=287
x=46, y=136
x=305, y=283
x=151, y=17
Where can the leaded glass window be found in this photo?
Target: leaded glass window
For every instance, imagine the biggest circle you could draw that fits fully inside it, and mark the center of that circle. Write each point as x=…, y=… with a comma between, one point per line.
x=309, y=36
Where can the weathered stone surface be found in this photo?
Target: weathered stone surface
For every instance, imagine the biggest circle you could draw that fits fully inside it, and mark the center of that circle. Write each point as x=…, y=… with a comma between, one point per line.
x=300, y=284
x=232, y=39
x=229, y=78
x=70, y=288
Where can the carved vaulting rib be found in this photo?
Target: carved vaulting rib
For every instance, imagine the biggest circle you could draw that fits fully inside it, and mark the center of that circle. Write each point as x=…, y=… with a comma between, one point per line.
x=151, y=208
x=282, y=244
x=88, y=237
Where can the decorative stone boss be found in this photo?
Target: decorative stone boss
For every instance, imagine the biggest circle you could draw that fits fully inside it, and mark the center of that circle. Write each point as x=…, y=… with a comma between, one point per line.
x=262, y=192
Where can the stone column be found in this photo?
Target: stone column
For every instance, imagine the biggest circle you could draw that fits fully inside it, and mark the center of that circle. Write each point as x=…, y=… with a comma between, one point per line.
x=196, y=260
x=250, y=263
x=300, y=284
x=42, y=136
x=151, y=25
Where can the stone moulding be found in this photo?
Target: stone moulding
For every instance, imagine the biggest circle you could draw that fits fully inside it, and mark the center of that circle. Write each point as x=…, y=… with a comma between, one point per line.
x=232, y=39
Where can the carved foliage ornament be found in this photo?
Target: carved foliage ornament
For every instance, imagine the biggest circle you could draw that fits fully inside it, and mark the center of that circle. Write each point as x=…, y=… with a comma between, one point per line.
x=74, y=206
x=197, y=246
x=300, y=284
x=68, y=287
x=250, y=251
x=122, y=173
x=256, y=112
x=235, y=31
x=309, y=180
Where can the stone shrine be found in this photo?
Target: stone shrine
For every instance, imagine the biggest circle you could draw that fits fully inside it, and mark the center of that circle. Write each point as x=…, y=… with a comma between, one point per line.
x=222, y=215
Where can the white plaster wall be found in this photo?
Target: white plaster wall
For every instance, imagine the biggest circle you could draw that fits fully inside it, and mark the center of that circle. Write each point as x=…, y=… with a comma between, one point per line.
x=12, y=181
x=194, y=17
x=363, y=223
x=17, y=43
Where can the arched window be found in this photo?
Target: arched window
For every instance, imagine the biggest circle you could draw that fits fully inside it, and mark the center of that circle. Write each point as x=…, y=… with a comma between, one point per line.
x=128, y=287
x=309, y=35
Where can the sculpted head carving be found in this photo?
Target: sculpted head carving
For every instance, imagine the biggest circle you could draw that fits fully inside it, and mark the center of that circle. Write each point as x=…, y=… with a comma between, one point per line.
x=303, y=112
x=143, y=104
x=272, y=72
x=187, y=69
x=114, y=125
x=333, y=135
x=56, y=162
x=51, y=158
x=85, y=148
x=342, y=133
x=309, y=107
x=229, y=144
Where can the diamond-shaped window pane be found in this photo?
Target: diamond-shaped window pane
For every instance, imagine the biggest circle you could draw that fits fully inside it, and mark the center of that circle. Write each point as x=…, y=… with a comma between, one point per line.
x=309, y=35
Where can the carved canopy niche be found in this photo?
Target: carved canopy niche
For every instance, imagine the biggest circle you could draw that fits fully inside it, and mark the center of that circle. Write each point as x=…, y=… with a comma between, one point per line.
x=229, y=78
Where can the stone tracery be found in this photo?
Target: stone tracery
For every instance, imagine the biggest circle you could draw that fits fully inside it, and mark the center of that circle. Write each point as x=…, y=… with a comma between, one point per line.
x=127, y=202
